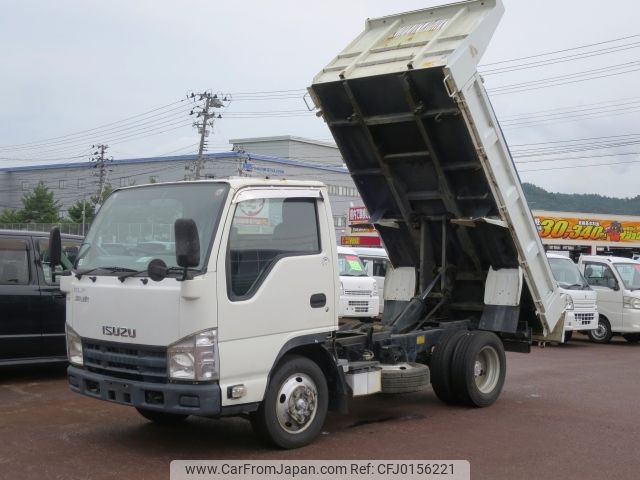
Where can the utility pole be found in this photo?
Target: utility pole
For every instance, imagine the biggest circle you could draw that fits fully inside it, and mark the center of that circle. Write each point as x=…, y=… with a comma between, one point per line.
x=204, y=110
x=101, y=164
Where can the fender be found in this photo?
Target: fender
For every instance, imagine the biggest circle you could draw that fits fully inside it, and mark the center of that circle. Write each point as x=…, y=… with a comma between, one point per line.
x=314, y=346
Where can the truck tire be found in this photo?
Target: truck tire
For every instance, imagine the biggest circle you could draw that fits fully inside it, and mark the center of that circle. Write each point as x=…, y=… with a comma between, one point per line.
x=603, y=333
x=441, y=365
x=295, y=404
x=405, y=378
x=161, y=418
x=478, y=369
x=632, y=337
x=567, y=336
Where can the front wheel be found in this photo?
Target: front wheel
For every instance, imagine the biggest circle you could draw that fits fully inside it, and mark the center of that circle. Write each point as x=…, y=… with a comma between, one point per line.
x=603, y=333
x=478, y=369
x=567, y=336
x=295, y=404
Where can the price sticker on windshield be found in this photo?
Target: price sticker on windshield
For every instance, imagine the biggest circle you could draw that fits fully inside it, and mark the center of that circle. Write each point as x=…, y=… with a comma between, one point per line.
x=354, y=263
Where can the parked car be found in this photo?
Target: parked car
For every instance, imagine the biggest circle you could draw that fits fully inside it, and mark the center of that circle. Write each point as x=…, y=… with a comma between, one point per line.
x=582, y=308
x=616, y=280
x=358, y=291
x=376, y=262
x=32, y=306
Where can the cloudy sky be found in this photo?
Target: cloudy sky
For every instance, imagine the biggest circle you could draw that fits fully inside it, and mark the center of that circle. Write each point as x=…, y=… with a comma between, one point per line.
x=77, y=72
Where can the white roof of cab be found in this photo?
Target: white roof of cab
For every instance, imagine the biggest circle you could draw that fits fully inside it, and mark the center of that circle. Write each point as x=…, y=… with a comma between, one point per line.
x=556, y=255
x=241, y=182
x=346, y=251
x=610, y=259
x=371, y=252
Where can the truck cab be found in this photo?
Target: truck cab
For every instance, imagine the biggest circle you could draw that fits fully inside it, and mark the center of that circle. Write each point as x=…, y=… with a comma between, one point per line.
x=358, y=290
x=376, y=262
x=616, y=281
x=582, y=309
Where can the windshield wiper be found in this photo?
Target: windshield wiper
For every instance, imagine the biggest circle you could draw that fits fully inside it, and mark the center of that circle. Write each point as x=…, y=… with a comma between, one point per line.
x=570, y=287
x=81, y=273
x=133, y=273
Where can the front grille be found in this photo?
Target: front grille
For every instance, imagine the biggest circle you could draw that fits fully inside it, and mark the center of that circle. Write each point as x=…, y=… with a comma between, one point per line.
x=583, y=303
x=130, y=362
x=584, y=318
x=359, y=306
x=358, y=293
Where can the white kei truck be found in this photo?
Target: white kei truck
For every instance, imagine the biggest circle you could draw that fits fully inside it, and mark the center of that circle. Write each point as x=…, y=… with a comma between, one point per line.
x=359, y=295
x=616, y=280
x=220, y=297
x=582, y=308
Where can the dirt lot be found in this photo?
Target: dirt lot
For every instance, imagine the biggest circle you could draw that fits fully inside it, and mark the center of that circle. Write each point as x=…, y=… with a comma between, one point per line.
x=567, y=412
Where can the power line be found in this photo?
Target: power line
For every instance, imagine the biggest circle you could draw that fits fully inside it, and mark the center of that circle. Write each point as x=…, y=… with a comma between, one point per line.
x=96, y=128
x=562, y=51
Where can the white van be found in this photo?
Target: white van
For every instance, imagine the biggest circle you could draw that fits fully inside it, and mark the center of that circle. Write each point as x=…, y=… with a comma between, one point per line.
x=376, y=262
x=358, y=291
x=616, y=280
x=582, y=308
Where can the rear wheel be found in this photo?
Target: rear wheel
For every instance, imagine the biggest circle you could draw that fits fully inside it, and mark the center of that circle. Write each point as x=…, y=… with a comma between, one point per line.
x=162, y=418
x=295, y=404
x=441, y=365
x=632, y=337
x=478, y=369
x=603, y=333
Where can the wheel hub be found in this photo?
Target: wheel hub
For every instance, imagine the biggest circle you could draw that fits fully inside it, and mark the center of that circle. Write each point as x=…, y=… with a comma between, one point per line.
x=297, y=402
x=486, y=370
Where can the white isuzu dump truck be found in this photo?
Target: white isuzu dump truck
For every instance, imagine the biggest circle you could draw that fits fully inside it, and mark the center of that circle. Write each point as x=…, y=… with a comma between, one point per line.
x=218, y=298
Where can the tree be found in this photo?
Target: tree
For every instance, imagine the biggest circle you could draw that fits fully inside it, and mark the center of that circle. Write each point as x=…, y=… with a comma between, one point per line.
x=40, y=206
x=75, y=211
x=10, y=215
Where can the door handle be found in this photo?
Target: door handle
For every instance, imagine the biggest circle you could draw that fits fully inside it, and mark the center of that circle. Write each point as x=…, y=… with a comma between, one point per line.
x=318, y=300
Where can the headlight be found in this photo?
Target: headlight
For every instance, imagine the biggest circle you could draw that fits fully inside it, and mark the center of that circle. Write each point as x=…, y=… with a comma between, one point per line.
x=375, y=290
x=631, y=302
x=194, y=357
x=569, y=302
x=74, y=347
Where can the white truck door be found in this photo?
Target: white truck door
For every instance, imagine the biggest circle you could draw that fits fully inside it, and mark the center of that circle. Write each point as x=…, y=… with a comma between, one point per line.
x=275, y=282
x=598, y=276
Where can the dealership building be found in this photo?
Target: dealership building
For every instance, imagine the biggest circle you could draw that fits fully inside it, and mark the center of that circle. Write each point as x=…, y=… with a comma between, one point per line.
x=286, y=157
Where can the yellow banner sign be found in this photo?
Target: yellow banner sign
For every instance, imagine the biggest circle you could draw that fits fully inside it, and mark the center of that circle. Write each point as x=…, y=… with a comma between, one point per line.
x=566, y=228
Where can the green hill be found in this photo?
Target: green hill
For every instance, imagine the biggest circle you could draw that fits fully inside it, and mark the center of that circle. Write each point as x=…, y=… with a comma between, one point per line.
x=539, y=199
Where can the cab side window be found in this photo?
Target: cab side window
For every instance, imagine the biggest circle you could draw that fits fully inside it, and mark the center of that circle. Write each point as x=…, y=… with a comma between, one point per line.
x=597, y=274
x=69, y=253
x=264, y=231
x=14, y=262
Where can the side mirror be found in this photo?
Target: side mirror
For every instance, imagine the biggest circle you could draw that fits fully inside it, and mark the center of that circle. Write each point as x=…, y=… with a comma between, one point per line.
x=187, y=243
x=612, y=284
x=55, y=251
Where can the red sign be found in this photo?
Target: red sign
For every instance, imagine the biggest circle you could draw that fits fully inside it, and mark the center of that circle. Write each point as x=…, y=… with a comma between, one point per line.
x=360, y=241
x=358, y=215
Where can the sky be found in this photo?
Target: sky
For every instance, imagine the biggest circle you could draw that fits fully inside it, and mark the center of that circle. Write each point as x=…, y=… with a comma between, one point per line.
x=81, y=72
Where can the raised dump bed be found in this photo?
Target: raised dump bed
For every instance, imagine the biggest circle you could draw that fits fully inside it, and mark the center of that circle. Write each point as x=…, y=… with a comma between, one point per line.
x=415, y=126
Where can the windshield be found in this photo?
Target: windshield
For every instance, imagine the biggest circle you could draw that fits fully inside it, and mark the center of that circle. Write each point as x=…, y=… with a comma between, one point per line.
x=134, y=226
x=567, y=274
x=350, y=266
x=630, y=274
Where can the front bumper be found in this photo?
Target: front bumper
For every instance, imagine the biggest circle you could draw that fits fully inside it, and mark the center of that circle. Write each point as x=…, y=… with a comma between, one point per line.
x=186, y=399
x=577, y=320
x=359, y=306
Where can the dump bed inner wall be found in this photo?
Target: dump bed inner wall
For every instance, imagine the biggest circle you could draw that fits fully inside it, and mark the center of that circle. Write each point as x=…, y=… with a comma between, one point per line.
x=411, y=156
